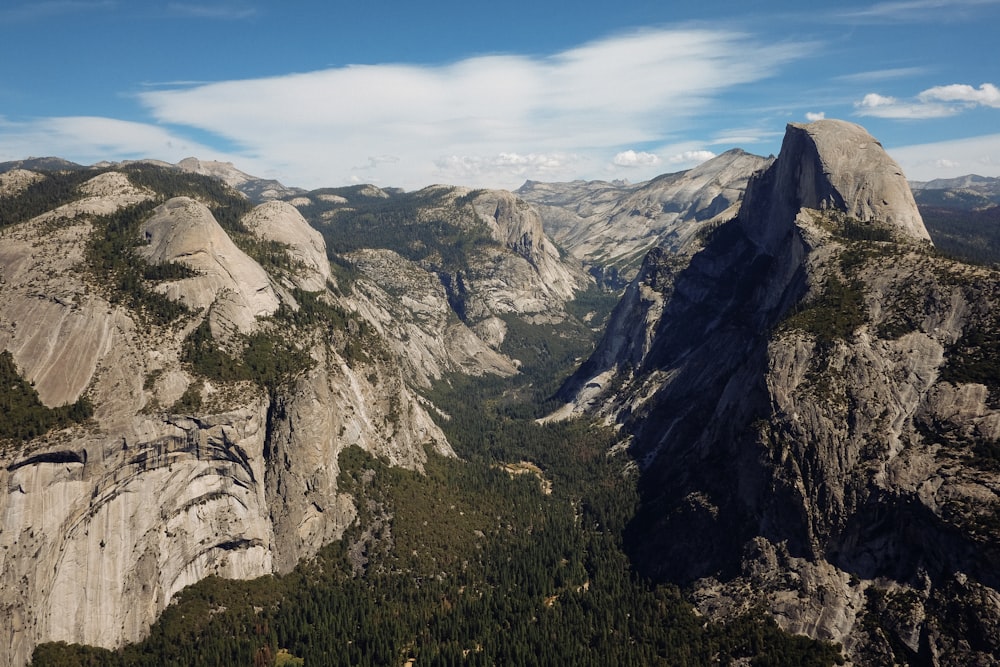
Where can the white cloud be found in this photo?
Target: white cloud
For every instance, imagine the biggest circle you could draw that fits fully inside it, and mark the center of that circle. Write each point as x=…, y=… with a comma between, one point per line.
x=936, y=102
x=881, y=106
x=913, y=10
x=987, y=94
x=206, y=11
x=35, y=11
x=949, y=159
x=691, y=158
x=631, y=158
x=510, y=167
x=89, y=139
x=812, y=116
x=555, y=114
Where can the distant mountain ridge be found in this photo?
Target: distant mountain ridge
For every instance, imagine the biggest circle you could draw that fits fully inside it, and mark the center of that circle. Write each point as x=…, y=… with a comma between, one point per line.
x=255, y=189
x=611, y=226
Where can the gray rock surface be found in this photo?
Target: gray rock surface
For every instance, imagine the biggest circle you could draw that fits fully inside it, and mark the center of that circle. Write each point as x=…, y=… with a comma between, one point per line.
x=233, y=285
x=281, y=223
x=800, y=412
x=102, y=523
x=611, y=226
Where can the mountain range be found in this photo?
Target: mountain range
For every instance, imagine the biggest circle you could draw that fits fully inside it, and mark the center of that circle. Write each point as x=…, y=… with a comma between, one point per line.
x=798, y=389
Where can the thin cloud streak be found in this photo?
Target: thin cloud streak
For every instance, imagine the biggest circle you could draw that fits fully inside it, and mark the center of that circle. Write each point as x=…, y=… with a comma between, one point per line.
x=225, y=13
x=38, y=11
x=874, y=76
x=465, y=120
x=910, y=11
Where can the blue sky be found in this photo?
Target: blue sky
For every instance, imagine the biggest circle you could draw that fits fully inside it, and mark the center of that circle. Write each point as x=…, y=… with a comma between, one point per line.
x=319, y=93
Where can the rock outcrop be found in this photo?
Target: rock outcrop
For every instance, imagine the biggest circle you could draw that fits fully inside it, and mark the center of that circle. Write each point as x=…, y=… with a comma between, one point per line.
x=810, y=417
x=281, y=223
x=214, y=449
x=235, y=287
x=104, y=521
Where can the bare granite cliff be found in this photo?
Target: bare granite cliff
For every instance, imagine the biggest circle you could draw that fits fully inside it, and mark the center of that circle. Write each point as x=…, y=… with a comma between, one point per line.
x=195, y=461
x=203, y=363
x=813, y=414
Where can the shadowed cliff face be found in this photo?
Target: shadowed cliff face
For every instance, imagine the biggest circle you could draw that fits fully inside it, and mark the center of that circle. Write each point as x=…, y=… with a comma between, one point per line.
x=806, y=411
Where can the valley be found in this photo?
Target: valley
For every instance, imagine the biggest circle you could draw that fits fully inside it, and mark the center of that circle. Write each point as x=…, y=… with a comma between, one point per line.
x=742, y=414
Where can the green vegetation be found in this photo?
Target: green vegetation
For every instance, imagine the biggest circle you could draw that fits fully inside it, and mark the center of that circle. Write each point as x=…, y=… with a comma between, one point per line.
x=116, y=266
x=834, y=314
x=24, y=415
x=466, y=564
x=849, y=228
x=443, y=243
x=227, y=205
x=56, y=189
x=265, y=357
x=968, y=235
x=975, y=357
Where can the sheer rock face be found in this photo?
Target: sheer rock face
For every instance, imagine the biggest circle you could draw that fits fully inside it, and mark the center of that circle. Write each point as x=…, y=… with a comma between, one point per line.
x=103, y=522
x=410, y=309
x=518, y=226
x=806, y=432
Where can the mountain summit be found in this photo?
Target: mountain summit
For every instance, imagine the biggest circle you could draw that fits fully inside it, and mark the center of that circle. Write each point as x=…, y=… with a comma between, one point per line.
x=833, y=165
x=811, y=413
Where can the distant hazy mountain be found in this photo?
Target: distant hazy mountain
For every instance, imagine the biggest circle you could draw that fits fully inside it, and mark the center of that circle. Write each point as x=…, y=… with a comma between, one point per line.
x=255, y=189
x=611, y=226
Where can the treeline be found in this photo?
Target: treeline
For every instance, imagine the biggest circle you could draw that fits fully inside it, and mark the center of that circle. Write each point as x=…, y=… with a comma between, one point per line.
x=483, y=561
x=56, y=189
x=266, y=358
x=968, y=235
x=445, y=242
x=24, y=415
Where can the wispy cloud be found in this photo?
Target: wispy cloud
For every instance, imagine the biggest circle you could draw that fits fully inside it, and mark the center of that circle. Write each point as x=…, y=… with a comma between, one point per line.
x=221, y=12
x=909, y=11
x=491, y=120
x=36, y=11
x=949, y=159
x=90, y=139
x=874, y=76
x=812, y=116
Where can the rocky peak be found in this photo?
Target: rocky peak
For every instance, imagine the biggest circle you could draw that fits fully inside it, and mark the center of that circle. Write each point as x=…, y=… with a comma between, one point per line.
x=610, y=226
x=282, y=223
x=802, y=417
x=236, y=288
x=836, y=165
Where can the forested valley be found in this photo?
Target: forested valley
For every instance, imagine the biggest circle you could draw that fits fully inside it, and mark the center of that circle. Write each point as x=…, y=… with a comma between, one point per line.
x=510, y=554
